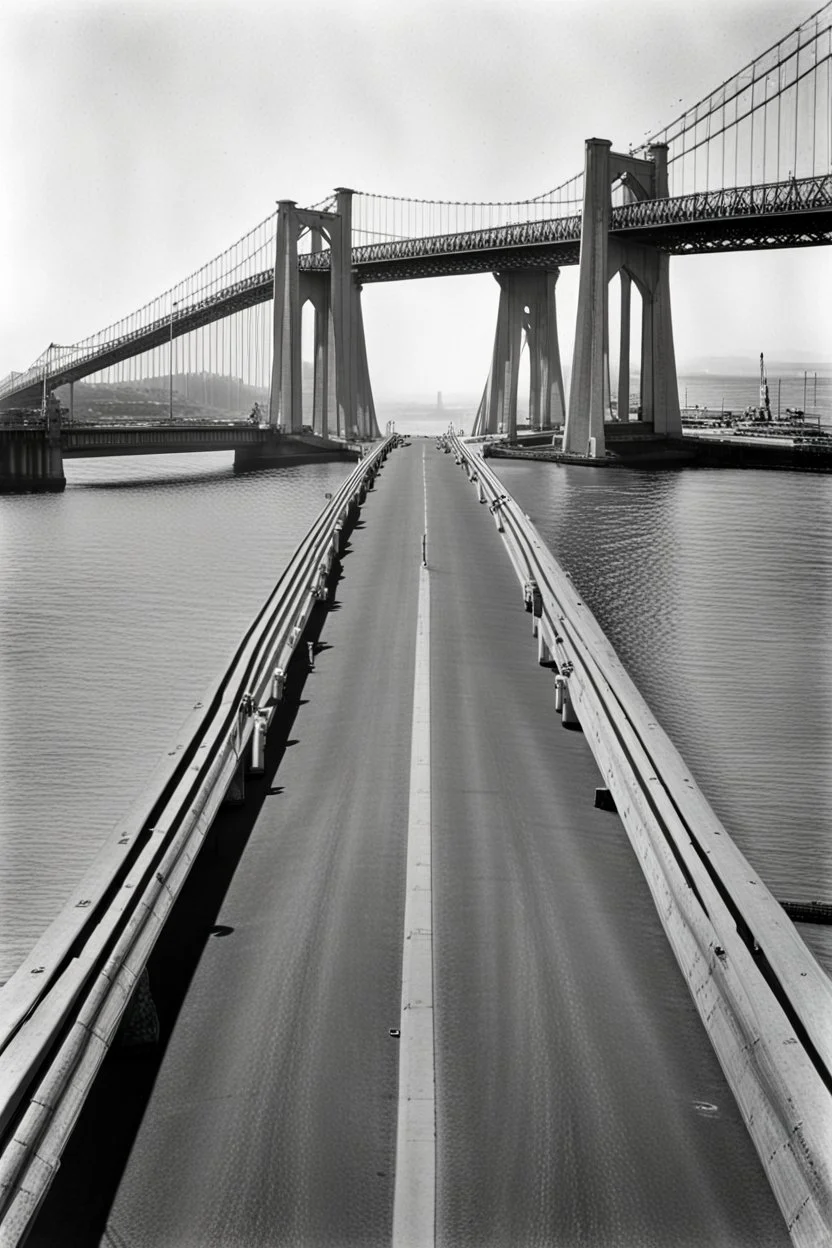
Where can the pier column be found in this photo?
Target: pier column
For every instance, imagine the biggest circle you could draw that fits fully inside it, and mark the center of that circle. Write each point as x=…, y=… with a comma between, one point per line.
x=624, y=348
x=547, y=408
x=285, y=400
x=365, y=411
x=318, y=289
x=585, y=420
x=527, y=307
x=490, y=415
x=658, y=353
x=650, y=269
x=343, y=309
x=315, y=289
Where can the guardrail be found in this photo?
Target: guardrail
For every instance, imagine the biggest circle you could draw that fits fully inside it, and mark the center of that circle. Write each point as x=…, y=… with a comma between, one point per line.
x=763, y=998
x=60, y=1010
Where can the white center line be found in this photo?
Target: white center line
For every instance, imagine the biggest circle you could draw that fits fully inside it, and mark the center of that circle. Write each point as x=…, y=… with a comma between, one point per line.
x=415, y=1189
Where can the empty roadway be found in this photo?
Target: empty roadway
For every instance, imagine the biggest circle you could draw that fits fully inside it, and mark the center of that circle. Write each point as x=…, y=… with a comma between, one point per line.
x=578, y=1099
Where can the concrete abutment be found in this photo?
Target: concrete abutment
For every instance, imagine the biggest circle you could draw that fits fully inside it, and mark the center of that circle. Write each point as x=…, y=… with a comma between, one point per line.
x=31, y=460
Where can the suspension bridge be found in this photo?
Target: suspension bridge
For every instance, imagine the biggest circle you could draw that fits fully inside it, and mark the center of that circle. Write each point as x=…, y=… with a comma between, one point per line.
x=385, y=981
x=748, y=167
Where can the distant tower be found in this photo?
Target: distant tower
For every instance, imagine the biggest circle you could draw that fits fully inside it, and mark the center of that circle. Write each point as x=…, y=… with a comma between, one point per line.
x=439, y=400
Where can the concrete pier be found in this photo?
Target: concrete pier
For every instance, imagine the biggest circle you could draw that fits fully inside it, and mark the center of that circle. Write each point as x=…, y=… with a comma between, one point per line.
x=31, y=460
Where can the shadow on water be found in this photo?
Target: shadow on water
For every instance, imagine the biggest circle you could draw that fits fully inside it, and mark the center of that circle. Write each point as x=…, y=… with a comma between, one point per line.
x=75, y=1212
x=179, y=479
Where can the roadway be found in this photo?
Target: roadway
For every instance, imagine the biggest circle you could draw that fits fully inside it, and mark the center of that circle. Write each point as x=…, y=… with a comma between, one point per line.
x=578, y=1099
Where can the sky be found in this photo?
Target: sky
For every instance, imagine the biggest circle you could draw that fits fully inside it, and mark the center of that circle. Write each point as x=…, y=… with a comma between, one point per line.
x=138, y=139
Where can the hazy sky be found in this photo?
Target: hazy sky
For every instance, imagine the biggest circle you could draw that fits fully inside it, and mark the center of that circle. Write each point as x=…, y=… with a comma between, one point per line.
x=139, y=139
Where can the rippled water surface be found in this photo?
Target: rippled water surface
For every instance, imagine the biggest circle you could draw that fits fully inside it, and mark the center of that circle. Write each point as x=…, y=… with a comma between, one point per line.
x=120, y=602
x=715, y=587
x=121, y=599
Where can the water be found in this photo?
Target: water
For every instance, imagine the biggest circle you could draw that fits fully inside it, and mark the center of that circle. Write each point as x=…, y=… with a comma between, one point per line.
x=715, y=588
x=121, y=600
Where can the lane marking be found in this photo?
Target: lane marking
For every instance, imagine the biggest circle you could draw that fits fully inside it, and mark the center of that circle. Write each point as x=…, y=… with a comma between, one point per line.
x=414, y=1199
x=425, y=530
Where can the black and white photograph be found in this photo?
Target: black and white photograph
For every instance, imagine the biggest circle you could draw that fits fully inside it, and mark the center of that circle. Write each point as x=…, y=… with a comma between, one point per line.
x=416, y=624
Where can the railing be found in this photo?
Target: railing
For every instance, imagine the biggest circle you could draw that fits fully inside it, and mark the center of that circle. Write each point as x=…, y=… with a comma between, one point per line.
x=60, y=1010
x=524, y=234
x=743, y=201
x=764, y=1000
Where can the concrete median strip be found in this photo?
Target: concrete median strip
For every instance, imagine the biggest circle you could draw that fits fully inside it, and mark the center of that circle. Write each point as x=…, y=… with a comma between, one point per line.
x=414, y=1196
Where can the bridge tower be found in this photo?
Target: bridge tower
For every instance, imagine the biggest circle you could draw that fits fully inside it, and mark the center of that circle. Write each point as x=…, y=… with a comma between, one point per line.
x=601, y=258
x=343, y=401
x=527, y=307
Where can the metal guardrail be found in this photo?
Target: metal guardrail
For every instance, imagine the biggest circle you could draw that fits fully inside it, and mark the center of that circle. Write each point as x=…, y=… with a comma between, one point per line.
x=60, y=1010
x=763, y=998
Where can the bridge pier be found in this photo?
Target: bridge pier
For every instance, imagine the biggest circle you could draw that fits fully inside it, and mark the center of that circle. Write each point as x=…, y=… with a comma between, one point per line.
x=31, y=460
x=601, y=258
x=343, y=402
x=287, y=450
x=527, y=306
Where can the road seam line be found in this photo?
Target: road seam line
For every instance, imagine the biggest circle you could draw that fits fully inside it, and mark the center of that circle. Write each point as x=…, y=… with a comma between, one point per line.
x=414, y=1200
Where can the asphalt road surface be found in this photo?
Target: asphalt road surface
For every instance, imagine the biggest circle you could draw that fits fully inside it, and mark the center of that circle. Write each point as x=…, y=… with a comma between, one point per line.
x=578, y=1099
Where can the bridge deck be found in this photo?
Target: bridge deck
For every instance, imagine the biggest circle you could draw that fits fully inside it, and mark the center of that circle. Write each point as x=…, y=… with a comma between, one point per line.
x=578, y=1099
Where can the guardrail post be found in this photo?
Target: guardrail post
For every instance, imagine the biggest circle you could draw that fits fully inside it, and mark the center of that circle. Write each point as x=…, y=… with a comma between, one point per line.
x=569, y=716
x=258, y=744
x=278, y=684
x=235, y=794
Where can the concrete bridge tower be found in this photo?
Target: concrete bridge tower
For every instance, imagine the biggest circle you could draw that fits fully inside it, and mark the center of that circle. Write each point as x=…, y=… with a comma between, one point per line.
x=343, y=401
x=601, y=258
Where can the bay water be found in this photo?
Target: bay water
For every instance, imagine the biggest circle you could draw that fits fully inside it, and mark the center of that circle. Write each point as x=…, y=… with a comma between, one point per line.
x=122, y=599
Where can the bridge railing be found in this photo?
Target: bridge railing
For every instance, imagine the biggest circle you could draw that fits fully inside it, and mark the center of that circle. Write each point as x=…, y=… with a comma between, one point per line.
x=743, y=201
x=61, y=1009
x=763, y=998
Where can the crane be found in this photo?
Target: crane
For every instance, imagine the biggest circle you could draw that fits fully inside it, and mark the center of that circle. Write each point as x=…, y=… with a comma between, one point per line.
x=765, y=405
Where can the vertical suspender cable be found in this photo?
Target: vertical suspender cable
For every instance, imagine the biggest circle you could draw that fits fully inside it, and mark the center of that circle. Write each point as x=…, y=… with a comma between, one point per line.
x=779, y=99
x=751, y=123
x=814, y=96
x=796, y=102
x=765, y=128
x=736, y=135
